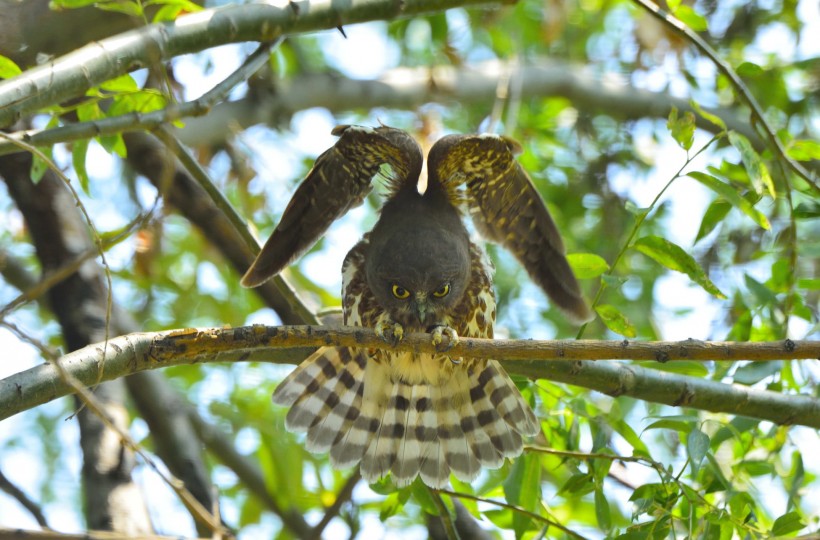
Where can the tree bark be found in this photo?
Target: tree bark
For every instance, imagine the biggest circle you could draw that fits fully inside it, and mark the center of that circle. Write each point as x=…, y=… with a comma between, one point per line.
x=113, y=500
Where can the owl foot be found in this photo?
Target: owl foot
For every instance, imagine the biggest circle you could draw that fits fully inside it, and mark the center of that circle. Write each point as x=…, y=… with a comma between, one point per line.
x=452, y=338
x=389, y=331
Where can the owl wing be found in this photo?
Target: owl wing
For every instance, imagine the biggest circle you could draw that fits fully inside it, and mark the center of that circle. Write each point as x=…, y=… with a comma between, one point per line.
x=339, y=180
x=506, y=208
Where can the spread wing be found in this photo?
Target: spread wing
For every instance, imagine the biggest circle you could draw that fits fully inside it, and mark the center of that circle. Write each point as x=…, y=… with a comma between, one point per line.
x=506, y=208
x=339, y=180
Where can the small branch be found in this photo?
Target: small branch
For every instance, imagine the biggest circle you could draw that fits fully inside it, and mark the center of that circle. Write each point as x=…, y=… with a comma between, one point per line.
x=219, y=200
x=248, y=471
x=71, y=75
x=20, y=534
x=537, y=359
x=344, y=495
x=16, y=493
x=141, y=121
x=537, y=517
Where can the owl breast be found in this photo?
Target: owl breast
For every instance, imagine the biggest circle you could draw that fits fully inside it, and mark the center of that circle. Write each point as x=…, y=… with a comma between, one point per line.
x=472, y=316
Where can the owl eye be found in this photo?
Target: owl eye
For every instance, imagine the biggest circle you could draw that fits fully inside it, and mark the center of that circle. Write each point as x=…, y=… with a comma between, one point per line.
x=400, y=292
x=442, y=291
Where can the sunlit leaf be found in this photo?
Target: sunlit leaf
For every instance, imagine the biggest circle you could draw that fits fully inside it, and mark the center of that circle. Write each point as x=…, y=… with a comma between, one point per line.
x=714, y=214
x=691, y=18
x=758, y=172
x=749, y=69
x=683, y=128
x=716, y=120
x=804, y=150
x=8, y=68
x=731, y=195
x=587, y=265
x=675, y=258
x=615, y=320
x=787, y=523
x=78, y=153
x=123, y=83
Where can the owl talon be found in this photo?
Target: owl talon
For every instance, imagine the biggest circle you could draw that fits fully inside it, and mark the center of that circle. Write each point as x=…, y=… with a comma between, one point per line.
x=390, y=332
x=452, y=339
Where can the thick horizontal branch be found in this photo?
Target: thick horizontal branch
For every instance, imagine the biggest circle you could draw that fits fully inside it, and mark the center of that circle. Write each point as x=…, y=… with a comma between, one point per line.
x=561, y=361
x=408, y=88
x=71, y=75
x=400, y=88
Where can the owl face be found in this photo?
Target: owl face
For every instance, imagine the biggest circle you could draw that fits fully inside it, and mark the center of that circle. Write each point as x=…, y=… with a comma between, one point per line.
x=419, y=278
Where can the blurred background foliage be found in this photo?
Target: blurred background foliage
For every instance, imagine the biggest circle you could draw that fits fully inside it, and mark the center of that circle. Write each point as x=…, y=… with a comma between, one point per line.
x=688, y=473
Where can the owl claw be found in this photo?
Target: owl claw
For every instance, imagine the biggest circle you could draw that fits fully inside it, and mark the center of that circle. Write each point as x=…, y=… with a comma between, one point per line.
x=390, y=332
x=452, y=339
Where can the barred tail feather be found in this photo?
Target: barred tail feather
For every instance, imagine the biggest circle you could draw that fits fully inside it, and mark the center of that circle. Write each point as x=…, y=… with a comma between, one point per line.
x=360, y=411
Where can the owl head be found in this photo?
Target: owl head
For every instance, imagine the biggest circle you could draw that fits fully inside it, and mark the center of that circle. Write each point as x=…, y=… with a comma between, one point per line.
x=418, y=263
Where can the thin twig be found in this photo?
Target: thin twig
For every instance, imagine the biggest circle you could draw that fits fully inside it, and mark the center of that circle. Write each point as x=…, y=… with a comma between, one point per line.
x=342, y=497
x=514, y=508
x=444, y=514
x=13, y=491
x=89, y=400
x=136, y=121
x=201, y=176
x=640, y=220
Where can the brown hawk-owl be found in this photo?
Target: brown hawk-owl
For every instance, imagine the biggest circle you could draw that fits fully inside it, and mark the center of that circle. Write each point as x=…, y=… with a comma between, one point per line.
x=417, y=271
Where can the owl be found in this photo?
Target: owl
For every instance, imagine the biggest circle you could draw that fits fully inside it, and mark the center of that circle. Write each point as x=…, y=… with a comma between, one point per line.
x=404, y=413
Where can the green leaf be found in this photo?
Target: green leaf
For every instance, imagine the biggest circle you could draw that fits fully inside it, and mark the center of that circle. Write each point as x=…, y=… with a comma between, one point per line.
x=38, y=167
x=754, y=372
x=423, y=497
x=697, y=444
x=691, y=18
x=758, y=172
x=731, y=195
x=602, y=509
x=682, y=129
x=787, y=523
x=714, y=214
x=587, y=265
x=123, y=83
x=804, y=150
x=675, y=258
x=812, y=284
x=676, y=425
x=615, y=320
x=716, y=120
x=764, y=295
x=749, y=69
x=8, y=68
x=523, y=488
x=78, y=152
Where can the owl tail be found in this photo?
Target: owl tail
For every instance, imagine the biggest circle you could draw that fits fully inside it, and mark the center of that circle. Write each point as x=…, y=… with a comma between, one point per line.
x=355, y=409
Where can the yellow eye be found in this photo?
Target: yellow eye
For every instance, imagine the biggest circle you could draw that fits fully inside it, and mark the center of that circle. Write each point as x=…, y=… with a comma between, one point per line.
x=400, y=292
x=442, y=291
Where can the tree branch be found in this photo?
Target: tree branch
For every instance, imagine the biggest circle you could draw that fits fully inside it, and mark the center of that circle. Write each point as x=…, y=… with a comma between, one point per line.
x=71, y=75
x=556, y=360
x=400, y=88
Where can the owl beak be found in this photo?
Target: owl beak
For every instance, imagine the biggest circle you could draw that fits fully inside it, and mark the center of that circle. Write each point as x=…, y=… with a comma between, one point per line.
x=421, y=308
